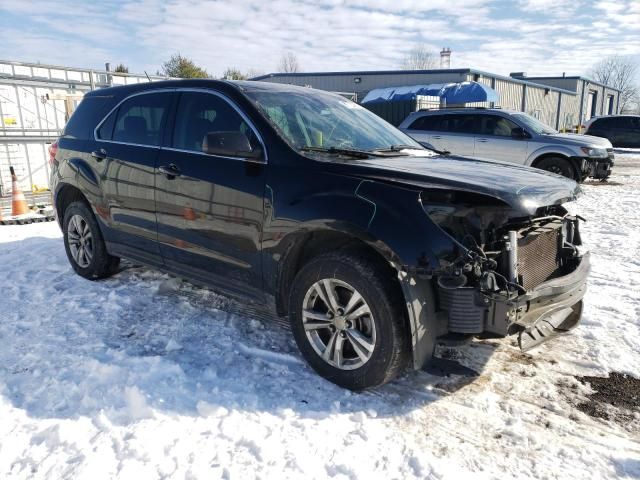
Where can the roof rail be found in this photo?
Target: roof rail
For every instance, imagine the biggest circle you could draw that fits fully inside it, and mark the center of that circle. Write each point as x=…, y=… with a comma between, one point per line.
x=461, y=108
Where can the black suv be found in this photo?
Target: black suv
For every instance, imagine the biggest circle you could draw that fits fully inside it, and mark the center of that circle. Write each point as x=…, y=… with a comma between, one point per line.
x=623, y=131
x=303, y=204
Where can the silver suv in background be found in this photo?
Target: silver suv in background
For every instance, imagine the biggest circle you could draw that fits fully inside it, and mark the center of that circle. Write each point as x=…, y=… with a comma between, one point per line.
x=511, y=136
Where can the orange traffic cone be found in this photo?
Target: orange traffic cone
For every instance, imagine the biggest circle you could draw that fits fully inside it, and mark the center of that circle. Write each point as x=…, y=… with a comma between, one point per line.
x=18, y=202
x=189, y=213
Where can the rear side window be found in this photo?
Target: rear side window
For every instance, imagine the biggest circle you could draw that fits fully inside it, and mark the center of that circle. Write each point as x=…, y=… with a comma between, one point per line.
x=604, y=123
x=201, y=113
x=139, y=120
x=459, y=123
x=86, y=116
x=624, y=122
x=428, y=122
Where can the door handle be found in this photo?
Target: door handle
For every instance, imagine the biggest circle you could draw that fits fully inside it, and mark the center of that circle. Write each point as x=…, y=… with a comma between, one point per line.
x=99, y=155
x=171, y=171
x=437, y=137
x=482, y=140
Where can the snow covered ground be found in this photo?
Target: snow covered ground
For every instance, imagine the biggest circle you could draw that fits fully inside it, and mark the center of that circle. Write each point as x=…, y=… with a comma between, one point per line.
x=142, y=376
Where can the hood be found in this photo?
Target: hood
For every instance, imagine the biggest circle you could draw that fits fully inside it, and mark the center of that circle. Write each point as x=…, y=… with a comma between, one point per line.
x=583, y=140
x=524, y=189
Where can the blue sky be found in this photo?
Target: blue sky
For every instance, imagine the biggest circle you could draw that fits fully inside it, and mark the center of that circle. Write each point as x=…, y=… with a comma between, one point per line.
x=535, y=36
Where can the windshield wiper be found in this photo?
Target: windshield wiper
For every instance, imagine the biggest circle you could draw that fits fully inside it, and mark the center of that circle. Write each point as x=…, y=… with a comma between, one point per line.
x=397, y=148
x=439, y=152
x=342, y=151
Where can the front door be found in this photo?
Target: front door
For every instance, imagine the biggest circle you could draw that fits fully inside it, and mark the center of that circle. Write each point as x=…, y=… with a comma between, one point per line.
x=495, y=141
x=210, y=208
x=127, y=145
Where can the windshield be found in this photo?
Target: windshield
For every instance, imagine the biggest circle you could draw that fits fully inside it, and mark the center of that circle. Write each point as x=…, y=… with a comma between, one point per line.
x=536, y=125
x=327, y=121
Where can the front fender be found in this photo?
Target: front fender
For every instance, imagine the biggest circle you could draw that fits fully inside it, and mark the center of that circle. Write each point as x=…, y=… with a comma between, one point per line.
x=557, y=150
x=417, y=247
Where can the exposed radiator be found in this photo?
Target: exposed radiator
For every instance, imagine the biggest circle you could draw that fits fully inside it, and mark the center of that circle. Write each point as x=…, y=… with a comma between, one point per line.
x=538, y=254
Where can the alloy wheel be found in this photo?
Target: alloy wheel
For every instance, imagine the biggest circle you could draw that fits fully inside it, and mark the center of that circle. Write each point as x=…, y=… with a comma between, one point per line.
x=339, y=324
x=80, y=241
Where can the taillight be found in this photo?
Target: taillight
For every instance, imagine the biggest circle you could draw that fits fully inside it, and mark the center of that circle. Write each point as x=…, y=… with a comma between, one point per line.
x=53, y=149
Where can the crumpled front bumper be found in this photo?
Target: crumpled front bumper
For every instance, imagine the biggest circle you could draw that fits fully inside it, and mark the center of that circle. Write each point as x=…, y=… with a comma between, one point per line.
x=598, y=168
x=552, y=307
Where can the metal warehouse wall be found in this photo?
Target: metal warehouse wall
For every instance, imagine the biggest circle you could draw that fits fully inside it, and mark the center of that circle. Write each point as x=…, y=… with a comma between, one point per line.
x=542, y=104
x=558, y=105
x=582, y=86
x=510, y=94
x=565, y=83
x=569, y=112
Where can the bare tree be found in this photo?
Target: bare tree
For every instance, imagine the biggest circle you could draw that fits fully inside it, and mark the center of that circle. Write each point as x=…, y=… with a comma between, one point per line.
x=254, y=72
x=288, y=63
x=420, y=58
x=619, y=72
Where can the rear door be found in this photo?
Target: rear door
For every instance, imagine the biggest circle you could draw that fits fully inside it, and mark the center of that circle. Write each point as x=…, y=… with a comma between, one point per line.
x=457, y=133
x=495, y=141
x=210, y=210
x=128, y=144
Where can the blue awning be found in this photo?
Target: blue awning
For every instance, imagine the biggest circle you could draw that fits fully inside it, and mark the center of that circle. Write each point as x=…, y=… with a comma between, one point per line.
x=469, y=92
x=452, y=93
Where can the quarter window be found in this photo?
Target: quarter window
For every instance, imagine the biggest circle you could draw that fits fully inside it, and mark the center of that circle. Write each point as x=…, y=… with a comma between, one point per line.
x=428, y=122
x=105, y=132
x=202, y=113
x=140, y=119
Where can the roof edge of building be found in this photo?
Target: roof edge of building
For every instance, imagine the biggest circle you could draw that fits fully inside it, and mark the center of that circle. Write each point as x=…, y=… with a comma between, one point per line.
x=523, y=81
x=574, y=77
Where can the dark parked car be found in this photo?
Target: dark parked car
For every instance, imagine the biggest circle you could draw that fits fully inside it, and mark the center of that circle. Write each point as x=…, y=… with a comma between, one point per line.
x=306, y=205
x=623, y=131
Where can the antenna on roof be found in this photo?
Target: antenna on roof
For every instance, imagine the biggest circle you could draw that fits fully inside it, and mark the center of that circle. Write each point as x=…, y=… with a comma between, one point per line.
x=148, y=77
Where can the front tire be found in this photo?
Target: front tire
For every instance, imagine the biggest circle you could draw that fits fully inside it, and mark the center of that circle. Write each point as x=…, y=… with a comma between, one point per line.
x=84, y=244
x=348, y=320
x=559, y=166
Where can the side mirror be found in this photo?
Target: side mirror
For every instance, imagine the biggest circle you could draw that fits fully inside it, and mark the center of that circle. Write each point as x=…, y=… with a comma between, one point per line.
x=519, y=132
x=230, y=144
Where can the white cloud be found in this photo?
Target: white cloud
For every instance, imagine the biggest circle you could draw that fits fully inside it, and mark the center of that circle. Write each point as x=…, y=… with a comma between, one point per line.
x=541, y=36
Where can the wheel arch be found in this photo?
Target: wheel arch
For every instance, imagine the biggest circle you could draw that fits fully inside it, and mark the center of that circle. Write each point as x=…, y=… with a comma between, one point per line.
x=571, y=160
x=308, y=244
x=65, y=195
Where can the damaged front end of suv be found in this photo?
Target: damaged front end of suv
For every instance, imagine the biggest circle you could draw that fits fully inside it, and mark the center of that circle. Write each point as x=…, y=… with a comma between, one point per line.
x=514, y=269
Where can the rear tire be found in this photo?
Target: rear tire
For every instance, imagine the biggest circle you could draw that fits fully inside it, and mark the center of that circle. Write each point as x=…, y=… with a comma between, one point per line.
x=559, y=166
x=85, y=245
x=358, y=338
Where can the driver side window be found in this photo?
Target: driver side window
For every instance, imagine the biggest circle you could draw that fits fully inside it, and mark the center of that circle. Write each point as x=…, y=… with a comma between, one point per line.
x=496, y=126
x=201, y=113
